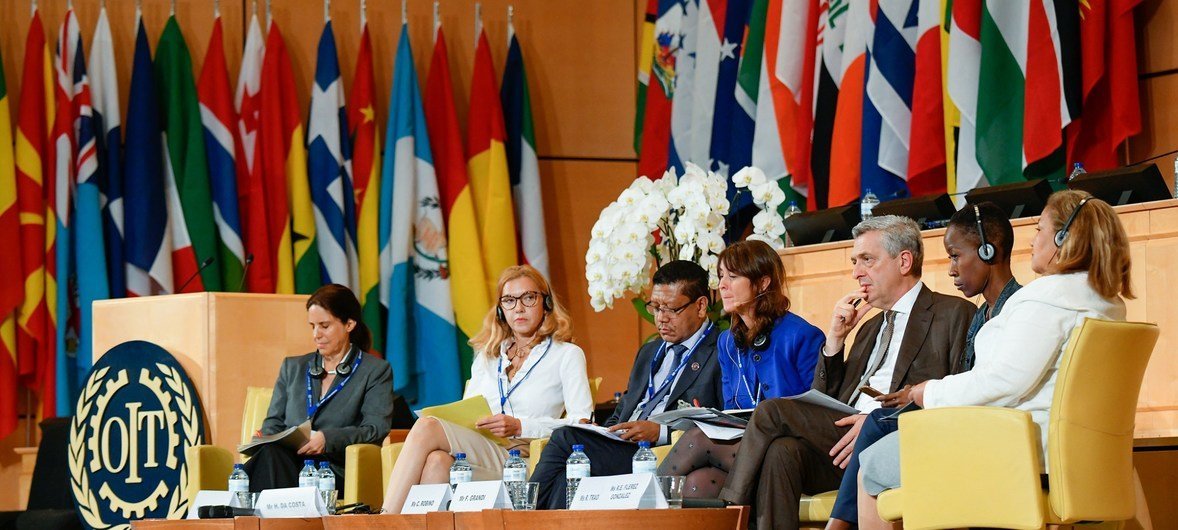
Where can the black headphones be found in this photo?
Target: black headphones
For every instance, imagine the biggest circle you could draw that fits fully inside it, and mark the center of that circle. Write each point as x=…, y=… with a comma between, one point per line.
x=343, y=368
x=548, y=305
x=1063, y=232
x=986, y=250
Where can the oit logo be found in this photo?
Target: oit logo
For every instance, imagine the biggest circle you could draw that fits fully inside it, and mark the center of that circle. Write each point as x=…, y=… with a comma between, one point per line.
x=136, y=415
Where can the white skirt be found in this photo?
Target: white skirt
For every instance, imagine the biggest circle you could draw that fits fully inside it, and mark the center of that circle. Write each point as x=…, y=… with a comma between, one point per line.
x=486, y=458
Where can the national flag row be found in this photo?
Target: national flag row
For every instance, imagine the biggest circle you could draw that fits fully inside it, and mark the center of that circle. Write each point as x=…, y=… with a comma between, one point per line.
x=899, y=97
x=207, y=188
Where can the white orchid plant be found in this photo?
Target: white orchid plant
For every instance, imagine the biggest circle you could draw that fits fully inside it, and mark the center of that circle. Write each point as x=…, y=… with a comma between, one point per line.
x=675, y=217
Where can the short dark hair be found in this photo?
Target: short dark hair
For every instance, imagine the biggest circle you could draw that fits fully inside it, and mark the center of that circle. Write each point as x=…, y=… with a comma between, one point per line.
x=994, y=223
x=692, y=279
x=342, y=304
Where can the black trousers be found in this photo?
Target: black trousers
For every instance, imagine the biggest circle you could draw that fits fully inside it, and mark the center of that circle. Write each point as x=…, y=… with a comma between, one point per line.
x=606, y=457
x=275, y=466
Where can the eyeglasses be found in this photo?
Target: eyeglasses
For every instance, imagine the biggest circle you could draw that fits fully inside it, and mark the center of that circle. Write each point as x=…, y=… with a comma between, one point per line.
x=655, y=310
x=529, y=299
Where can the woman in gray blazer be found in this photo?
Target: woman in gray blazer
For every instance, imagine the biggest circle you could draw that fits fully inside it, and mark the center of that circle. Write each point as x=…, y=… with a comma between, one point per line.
x=346, y=393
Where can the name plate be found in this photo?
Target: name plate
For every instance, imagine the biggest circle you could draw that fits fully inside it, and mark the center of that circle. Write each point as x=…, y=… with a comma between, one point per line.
x=425, y=498
x=208, y=498
x=290, y=502
x=638, y=491
x=479, y=496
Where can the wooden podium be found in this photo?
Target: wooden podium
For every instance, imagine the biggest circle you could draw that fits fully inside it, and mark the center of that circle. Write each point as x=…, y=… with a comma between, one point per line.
x=225, y=341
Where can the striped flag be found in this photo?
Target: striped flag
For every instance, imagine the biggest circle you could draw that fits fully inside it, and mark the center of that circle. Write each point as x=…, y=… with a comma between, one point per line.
x=194, y=230
x=926, y=157
x=329, y=154
x=522, y=164
x=147, y=231
x=423, y=341
x=963, y=68
x=36, y=336
x=646, y=49
x=69, y=81
x=828, y=76
x=490, y=183
x=669, y=30
x=11, y=287
x=366, y=168
x=847, y=133
x=781, y=142
x=744, y=120
x=219, y=120
x=887, y=116
x=104, y=91
x=251, y=193
x=469, y=293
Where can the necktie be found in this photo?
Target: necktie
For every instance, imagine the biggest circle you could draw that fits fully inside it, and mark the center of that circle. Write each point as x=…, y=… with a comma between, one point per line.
x=881, y=352
x=648, y=408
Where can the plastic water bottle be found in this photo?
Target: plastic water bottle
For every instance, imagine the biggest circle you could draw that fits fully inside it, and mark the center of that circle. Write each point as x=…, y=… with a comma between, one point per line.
x=460, y=472
x=239, y=488
x=791, y=211
x=326, y=486
x=575, y=469
x=1077, y=170
x=1176, y=177
x=644, y=460
x=867, y=205
x=515, y=470
x=308, y=478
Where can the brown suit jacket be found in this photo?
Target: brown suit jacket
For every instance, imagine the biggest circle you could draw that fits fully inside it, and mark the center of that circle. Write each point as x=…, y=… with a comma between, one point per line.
x=932, y=348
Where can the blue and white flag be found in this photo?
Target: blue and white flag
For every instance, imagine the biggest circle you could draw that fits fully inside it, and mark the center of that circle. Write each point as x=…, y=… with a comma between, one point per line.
x=329, y=168
x=887, y=105
x=422, y=344
x=104, y=91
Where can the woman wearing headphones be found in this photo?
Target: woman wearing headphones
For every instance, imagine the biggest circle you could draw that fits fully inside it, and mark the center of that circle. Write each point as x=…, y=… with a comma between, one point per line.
x=346, y=393
x=1082, y=252
x=526, y=369
x=767, y=352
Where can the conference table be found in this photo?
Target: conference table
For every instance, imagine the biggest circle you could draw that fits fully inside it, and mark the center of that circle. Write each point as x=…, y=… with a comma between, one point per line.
x=735, y=517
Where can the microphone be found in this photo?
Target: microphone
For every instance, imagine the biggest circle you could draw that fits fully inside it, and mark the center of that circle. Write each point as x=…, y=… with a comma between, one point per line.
x=223, y=512
x=249, y=259
x=203, y=264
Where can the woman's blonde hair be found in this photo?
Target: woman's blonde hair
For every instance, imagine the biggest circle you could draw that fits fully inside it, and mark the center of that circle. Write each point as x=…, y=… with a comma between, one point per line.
x=556, y=324
x=1096, y=242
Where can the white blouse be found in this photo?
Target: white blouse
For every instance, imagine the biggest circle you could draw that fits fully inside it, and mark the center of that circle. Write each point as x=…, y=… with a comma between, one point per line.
x=551, y=381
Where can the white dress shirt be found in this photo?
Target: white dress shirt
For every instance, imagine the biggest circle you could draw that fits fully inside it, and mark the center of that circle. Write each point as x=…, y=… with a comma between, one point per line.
x=661, y=374
x=882, y=379
x=551, y=382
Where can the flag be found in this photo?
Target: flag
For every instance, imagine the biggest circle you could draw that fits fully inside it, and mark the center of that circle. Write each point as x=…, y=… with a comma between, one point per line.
x=11, y=287
x=219, y=120
x=423, y=342
x=469, y=279
x=1111, y=103
x=926, y=156
x=490, y=183
x=887, y=104
x=686, y=88
x=831, y=37
x=60, y=280
x=36, y=336
x=259, y=243
x=781, y=142
x=846, y=149
x=104, y=92
x=522, y=164
x=730, y=18
x=147, y=232
x=194, y=231
x=962, y=71
x=669, y=26
x=744, y=121
x=328, y=154
x=291, y=223
x=645, y=58
x=366, y=168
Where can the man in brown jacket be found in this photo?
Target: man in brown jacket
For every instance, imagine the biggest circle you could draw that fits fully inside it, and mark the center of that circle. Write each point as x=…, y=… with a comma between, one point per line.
x=791, y=447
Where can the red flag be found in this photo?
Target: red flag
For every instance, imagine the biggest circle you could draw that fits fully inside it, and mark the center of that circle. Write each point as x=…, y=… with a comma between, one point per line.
x=1112, y=107
x=12, y=288
x=276, y=94
x=926, y=154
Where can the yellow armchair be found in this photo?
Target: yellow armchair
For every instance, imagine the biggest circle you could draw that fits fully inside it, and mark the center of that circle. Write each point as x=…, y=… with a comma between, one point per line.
x=978, y=466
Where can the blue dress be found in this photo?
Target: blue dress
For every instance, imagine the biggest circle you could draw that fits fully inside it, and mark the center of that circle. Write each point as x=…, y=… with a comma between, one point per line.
x=784, y=367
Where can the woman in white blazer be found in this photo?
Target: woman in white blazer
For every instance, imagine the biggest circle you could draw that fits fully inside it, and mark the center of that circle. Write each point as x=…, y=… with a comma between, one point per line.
x=528, y=371
x=1082, y=252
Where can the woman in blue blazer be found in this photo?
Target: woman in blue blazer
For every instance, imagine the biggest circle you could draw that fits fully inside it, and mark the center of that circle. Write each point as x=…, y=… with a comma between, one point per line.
x=767, y=352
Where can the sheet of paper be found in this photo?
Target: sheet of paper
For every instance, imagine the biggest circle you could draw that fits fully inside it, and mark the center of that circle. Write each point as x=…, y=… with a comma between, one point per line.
x=815, y=397
x=604, y=431
x=717, y=432
x=292, y=438
x=464, y=413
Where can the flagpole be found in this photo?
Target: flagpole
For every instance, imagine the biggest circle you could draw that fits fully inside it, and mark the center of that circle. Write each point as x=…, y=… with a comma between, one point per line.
x=33, y=7
x=269, y=16
x=437, y=19
x=510, y=23
x=405, y=12
x=173, y=13
x=216, y=8
x=478, y=21
x=326, y=11
x=364, y=14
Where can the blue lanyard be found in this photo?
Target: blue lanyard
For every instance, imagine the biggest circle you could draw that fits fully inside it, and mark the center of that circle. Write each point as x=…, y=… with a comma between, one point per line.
x=744, y=379
x=658, y=359
x=499, y=379
x=314, y=407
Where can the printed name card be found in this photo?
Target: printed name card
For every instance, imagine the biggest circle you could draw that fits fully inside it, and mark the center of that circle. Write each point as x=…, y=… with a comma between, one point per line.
x=290, y=502
x=478, y=496
x=638, y=491
x=427, y=498
x=208, y=498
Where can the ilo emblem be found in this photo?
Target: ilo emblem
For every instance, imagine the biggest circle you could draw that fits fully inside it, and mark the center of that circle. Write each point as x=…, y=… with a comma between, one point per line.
x=136, y=415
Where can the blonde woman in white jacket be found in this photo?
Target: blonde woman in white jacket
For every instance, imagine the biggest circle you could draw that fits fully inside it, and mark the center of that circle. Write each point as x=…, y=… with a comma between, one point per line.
x=1082, y=252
